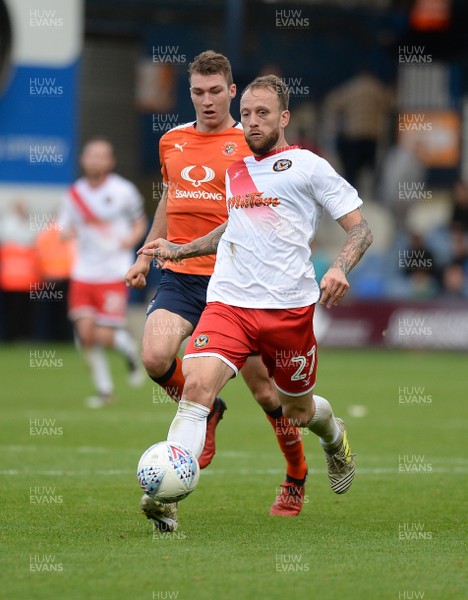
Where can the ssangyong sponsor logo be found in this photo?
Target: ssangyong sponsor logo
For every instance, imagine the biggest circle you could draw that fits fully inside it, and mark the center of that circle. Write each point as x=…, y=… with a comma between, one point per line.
x=199, y=195
x=188, y=171
x=192, y=175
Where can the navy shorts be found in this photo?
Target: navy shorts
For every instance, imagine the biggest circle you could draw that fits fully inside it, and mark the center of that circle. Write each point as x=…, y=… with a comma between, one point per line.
x=182, y=294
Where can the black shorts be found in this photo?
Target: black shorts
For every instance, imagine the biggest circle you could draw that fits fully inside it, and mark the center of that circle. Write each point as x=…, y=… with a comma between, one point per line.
x=184, y=295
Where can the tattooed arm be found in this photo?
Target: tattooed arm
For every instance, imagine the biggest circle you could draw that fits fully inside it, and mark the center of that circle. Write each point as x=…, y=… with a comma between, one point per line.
x=163, y=250
x=359, y=238
x=334, y=284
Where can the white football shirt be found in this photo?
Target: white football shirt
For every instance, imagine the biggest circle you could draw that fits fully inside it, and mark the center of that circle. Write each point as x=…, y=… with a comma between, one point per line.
x=275, y=203
x=115, y=204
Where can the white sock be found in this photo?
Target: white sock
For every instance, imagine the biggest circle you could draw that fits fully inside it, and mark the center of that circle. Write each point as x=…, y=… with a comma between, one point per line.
x=189, y=426
x=125, y=344
x=323, y=422
x=100, y=372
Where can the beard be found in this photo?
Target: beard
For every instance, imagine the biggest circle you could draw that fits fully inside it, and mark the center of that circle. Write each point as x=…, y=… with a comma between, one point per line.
x=265, y=144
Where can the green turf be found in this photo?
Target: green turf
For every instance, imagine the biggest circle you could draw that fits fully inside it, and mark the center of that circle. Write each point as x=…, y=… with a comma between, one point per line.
x=227, y=547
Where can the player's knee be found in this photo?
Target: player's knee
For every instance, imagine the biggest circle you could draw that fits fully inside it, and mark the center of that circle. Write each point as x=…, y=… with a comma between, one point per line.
x=265, y=395
x=197, y=389
x=155, y=362
x=86, y=338
x=261, y=386
x=298, y=416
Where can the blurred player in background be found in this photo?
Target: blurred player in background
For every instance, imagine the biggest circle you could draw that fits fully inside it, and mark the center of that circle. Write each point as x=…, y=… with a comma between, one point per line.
x=261, y=296
x=194, y=158
x=105, y=213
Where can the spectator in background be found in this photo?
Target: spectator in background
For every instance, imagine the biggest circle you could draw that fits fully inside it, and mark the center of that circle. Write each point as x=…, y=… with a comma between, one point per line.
x=402, y=175
x=105, y=213
x=306, y=142
x=55, y=259
x=460, y=208
x=18, y=272
x=418, y=265
x=358, y=115
x=459, y=220
x=454, y=281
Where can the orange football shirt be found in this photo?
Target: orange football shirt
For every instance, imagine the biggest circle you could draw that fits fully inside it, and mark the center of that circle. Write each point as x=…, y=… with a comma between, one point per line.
x=193, y=166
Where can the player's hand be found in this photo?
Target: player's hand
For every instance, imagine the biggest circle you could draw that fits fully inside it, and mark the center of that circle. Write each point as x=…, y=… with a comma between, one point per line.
x=334, y=286
x=136, y=275
x=161, y=250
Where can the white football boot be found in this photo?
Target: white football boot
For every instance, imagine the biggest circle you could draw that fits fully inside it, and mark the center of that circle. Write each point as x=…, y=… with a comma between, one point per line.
x=340, y=462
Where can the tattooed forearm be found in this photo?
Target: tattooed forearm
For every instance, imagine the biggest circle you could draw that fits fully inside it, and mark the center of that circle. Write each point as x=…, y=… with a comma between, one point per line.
x=207, y=244
x=359, y=238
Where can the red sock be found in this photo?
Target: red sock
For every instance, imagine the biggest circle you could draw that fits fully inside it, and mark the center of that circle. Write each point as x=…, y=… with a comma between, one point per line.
x=290, y=441
x=173, y=381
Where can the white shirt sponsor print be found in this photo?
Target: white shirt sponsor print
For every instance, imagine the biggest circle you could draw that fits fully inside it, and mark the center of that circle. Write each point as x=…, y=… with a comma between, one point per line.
x=275, y=204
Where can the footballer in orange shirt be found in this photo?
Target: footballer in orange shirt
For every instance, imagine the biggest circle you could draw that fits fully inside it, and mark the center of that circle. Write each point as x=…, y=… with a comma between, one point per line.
x=194, y=158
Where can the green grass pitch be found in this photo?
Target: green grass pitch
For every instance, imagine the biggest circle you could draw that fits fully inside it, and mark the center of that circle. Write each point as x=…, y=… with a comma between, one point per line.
x=71, y=526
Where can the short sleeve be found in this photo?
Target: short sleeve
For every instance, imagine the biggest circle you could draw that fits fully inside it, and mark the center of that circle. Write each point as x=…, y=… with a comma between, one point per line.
x=135, y=202
x=66, y=216
x=332, y=191
x=162, y=160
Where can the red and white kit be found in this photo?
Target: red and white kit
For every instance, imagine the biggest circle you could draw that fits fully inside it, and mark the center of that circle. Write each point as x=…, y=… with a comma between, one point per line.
x=263, y=263
x=102, y=218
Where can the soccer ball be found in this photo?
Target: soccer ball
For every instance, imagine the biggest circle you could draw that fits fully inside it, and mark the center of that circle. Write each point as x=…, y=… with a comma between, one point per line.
x=168, y=472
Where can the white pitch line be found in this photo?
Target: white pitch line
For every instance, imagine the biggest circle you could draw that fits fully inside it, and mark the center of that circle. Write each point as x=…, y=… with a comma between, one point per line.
x=236, y=454
x=211, y=472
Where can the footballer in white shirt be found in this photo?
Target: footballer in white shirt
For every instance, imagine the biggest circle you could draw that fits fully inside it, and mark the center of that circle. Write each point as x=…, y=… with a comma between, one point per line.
x=104, y=212
x=262, y=294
